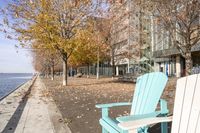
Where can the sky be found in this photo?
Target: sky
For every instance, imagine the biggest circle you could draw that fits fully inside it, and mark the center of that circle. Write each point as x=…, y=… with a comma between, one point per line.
x=12, y=59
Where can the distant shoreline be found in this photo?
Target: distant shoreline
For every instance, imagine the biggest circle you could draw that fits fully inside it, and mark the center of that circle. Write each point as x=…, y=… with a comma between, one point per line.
x=14, y=73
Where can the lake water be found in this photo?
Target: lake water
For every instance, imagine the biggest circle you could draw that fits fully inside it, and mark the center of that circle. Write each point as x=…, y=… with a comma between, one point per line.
x=9, y=81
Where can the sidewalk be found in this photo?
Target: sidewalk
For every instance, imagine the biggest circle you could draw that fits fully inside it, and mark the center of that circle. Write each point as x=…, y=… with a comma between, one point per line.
x=12, y=106
x=40, y=114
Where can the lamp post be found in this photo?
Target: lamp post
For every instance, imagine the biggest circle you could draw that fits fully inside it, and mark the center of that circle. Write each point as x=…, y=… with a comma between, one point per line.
x=98, y=62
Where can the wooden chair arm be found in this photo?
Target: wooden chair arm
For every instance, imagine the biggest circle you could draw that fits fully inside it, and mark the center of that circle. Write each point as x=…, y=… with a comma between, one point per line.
x=137, y=117
x=132, y=125
x=109, y=105
x=105, y=107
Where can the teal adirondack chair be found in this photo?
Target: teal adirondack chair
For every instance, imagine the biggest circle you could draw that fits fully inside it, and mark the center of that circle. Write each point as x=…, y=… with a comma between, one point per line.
x=149, y=88
x=186, y=114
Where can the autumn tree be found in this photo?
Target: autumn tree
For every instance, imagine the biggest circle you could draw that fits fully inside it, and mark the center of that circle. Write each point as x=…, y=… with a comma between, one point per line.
x=124, y=27
x=89, y=48
x=45, y=61
x=103, y=25
x=53, y=23
x=181, y=18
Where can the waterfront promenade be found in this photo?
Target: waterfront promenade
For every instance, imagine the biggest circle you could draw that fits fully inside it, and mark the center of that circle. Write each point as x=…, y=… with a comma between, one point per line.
x=29, y=110
x=34, y=110
x=77, y=100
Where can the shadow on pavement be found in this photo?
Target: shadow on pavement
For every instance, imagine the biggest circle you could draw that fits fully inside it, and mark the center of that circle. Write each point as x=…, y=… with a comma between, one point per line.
x=14, y=120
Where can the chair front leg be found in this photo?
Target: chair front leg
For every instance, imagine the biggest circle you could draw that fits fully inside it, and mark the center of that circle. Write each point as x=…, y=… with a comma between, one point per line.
x=104, y=130
x=104, y=112
x=164, y=127
x=163, y=106
x=164, y=110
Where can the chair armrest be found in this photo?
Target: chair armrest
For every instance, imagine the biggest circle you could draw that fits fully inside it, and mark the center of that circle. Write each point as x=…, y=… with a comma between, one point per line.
x=132, y=125
x=109, y=105
x=137, y=117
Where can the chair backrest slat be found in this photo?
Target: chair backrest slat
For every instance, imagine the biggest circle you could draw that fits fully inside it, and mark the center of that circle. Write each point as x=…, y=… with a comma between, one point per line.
x=149, y=88
x=197, y=126
x=187, y=105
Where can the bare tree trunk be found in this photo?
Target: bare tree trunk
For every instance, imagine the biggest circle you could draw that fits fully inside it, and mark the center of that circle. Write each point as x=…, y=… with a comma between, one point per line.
x=98, y=64
x=113, y=63
x=88, y=70
x=140, y=30
x=64, y=72
x=52, y=72
x=45, y=75
x=188, y=62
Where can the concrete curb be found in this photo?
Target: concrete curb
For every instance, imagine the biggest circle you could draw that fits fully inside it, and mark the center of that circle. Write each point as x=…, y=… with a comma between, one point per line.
x=11, y=107
x=55, y=115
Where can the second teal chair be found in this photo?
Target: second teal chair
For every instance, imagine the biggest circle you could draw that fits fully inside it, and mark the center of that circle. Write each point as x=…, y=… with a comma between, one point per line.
x=149, y=88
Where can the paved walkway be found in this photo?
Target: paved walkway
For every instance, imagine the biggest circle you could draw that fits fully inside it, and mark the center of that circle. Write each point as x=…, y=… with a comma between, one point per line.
x=40, y=114
x=11, y=108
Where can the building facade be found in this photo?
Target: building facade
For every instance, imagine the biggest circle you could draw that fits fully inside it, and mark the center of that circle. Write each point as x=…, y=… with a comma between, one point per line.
x=125, y=36
x=167, y=58
x=133, y=33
